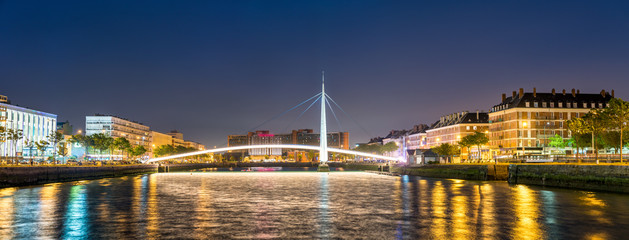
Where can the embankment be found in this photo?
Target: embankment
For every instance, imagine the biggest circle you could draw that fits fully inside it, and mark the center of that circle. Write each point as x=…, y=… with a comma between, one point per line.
x=22, y=176
x=459, y=171
x=612, y=178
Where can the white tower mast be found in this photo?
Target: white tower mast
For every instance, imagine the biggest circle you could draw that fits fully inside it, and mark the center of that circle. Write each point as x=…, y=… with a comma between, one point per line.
x=323, y=137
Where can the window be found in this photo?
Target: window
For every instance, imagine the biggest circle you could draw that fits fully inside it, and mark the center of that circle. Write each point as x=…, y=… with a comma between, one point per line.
x=561, y=105
x=543, y=104
x=529, y=105
x=468, y=128
x=535, y=104
x=552, y=105
x=475, y=129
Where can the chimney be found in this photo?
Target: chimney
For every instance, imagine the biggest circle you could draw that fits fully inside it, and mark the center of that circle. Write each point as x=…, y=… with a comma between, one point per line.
x=603, y=93
x=578, y=91
x=504, y=97
x=553, y=92
x=477, y=117
x=613, y=93
x=564, y=92
x=521, y=92
x=573, y=95
x=513, y=94
x=534, y=92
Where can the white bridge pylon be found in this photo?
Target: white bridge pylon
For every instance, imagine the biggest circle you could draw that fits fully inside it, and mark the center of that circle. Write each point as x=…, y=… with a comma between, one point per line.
x=283, y=146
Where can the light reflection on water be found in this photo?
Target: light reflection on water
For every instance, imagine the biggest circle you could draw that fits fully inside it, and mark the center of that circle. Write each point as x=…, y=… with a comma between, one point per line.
x=306, y=205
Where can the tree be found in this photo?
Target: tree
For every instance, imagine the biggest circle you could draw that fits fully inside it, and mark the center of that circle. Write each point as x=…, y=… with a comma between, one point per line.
x=14, y=135
x=447, y=150
x=311, y=155
x=389, y=147
x=102, y=142
x=30, y=145
x=596, y=122
x=578, y=128
x=475, y=139
x=617, y=113
x=54, y=139
x=557, y=142
x=41, y=146
x=137, y=151
x=121, y=144
x=466, y=142
x=163, y=150
x=83, y=140
x=3, y=136
x=369, y=148
x=62, y=150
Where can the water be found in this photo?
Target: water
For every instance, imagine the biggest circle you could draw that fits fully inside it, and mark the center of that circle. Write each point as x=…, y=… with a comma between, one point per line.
x=266, y=205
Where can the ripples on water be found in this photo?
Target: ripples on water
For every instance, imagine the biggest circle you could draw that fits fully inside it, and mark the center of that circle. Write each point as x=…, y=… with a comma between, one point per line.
x=306, y=205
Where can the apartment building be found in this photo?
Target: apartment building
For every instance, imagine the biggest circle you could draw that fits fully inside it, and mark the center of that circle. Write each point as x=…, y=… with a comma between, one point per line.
x=522, y=123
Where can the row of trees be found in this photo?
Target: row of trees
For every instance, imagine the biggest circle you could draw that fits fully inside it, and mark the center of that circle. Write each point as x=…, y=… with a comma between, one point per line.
x=107, y=144
x=14, y=136
x=601, y=128
x=476, y=139
x=165, y=150
x=377, y=148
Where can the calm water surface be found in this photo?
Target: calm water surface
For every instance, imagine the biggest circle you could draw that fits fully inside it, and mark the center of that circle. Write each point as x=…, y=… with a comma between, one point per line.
x=348, y=205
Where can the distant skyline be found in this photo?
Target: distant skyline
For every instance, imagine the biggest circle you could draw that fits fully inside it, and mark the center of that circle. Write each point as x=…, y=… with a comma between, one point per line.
x=210, y=69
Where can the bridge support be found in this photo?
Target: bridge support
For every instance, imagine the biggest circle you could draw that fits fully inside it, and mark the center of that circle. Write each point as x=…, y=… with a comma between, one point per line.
x=323, y=167
x=163, y=168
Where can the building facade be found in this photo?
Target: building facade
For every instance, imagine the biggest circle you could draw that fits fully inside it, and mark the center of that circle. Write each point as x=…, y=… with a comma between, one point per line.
x=453, y=127
x=35, y=126
x=177, y=138
x=138, y=134
x=522, y=124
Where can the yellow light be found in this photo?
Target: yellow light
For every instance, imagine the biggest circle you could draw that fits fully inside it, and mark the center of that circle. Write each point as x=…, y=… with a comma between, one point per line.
x=458, y=136
x=486, y=131
x=524, y=124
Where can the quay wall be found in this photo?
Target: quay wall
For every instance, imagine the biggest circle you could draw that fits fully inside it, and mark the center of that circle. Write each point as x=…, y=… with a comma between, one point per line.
x=22, y=176
x=612, y=178
x=458, y=171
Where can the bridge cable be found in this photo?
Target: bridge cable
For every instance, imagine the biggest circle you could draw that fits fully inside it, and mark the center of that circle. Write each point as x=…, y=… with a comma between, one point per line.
x=302, y=113
x=334, y=114
x=337, y=105
x=278, y=116
x=283, y=113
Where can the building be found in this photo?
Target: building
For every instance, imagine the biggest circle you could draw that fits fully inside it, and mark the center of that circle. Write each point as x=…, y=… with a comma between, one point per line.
x=523, y=123
x=177, y=138
x=160, y=139
x=138, y=134
x=397, y=137
x=416, y=137
x=301, y=137
x=173, y=138
x=195, y=145
x=64, y=128
x=451, y=128
x=35, y=126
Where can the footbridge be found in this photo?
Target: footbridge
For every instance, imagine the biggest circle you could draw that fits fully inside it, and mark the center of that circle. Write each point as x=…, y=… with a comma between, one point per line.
x=323, y=144
x=283, y=146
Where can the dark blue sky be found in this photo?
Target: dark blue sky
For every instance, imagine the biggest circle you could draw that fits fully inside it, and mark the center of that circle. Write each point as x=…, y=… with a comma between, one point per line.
x=213, y=68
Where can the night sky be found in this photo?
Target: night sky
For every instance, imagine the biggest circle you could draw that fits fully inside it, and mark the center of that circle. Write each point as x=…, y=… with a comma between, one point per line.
x=214, y=68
